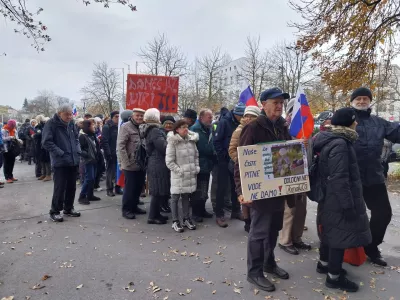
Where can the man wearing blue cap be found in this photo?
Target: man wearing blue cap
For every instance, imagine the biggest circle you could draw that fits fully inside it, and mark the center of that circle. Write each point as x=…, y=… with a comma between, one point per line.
x=266, y=214
x=227, y=125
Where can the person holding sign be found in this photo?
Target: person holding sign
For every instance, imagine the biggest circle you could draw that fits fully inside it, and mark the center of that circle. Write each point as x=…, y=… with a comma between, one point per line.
x=342, y=217
x=266, y=214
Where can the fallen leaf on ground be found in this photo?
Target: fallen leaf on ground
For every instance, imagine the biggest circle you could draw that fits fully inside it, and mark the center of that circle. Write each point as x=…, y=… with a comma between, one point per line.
x=28, y=253
x=306, y=277
x=79, y=286
x=181, y=294
x=237, y=291
x=45, y=277
x=317, y=290
x=38, y=287
x=201, y=279
x=207, y=262
x=227, y=282
x=256, y=292
x=361, y=283
x=213, y=292
x=126, y=230
x=209, y=282
x=184, y=253
x=165, y=298
x=188, y=291
x=8, y=298
x=167, y=290
x=156, y=289
x=377, y=272
x=268, y=297
x=27, y=297
x=329, y=298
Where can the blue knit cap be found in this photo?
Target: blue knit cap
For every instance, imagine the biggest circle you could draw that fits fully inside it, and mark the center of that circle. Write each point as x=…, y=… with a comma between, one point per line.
x=239, y=109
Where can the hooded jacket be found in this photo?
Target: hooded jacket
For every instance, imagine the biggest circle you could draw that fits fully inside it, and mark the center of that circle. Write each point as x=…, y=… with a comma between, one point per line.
x=61, y=140
x=205, y=146
x=234, y=143
x=90, y=146
x=223, y=134
x=109, y=138
x=372, y=131
x=157, y=171
x=338, y=164
x=182, y=158
x=263, y=130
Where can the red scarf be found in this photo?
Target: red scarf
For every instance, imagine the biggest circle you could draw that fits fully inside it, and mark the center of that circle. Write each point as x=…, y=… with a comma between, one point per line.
x=11, y=132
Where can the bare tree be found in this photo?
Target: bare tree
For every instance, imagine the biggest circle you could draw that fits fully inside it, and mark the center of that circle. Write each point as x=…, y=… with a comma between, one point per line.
x=211, y=76
x=104, y=91
x=161, y=58
x=46, y=103
x=292, y=67
x=255, y=69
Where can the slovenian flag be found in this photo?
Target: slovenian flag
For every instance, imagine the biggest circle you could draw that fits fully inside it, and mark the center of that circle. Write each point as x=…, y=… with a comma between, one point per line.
x=120, y=175
x=247, y=97
x=302, y=125
x=74, y=111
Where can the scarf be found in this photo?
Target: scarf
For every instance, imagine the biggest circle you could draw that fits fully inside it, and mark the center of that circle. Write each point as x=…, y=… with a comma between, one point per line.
x=11, y=132
x=345, y=132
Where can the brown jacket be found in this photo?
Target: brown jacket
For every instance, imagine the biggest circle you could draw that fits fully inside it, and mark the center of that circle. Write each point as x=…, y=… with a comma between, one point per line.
x=234, y=143
x=128, y=138
x=262, y=130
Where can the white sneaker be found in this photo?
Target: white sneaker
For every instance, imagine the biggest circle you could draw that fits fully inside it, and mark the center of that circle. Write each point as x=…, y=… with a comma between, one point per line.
x=189, y=224
x=99, y=189
x=176, y=225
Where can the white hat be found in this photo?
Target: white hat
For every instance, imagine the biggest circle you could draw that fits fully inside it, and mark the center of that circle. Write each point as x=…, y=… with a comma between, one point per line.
x=152, y=115
x=252, y=110
x=139, y=110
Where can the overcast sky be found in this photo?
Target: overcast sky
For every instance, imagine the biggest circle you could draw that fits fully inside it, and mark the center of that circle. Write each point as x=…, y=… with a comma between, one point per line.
x=84, y=35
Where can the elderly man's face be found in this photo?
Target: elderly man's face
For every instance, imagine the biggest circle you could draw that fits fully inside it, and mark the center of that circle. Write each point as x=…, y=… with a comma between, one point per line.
x=362, y=102
x=66, y=116
x=138, y=117
x=273, y=108
x=207, y=119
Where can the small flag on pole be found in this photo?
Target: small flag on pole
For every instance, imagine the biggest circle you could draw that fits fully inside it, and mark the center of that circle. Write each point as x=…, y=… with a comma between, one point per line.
x=120, y=175
x=247, y=97
x=302, y=125
x=74, y=111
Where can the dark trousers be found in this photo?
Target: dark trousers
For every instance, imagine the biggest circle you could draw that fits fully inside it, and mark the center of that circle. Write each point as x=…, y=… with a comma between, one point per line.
x=9, y=162
x=99, y=170
x=23, y=149
x=155, y=203
x=334, y=258
x=89, y=178
x=134, y=181
x=377, y=200
x=46, y=168
x=263, y=235
x=111, y=172
x=200, y=196
x=64, y=188
x=38, y=168
x=224, y=178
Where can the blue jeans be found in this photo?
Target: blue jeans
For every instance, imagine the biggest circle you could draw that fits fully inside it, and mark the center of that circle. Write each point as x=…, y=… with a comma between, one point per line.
x=88, y=183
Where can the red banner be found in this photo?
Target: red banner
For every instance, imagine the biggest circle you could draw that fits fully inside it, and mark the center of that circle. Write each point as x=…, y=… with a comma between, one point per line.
x=149, y=91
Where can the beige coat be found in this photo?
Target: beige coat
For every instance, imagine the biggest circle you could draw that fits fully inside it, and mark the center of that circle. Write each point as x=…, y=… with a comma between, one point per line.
x=233, y=154
x=182, y=158
x=128, y=138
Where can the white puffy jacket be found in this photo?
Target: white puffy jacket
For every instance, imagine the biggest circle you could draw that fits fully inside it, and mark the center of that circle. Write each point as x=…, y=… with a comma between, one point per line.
x=182, y=158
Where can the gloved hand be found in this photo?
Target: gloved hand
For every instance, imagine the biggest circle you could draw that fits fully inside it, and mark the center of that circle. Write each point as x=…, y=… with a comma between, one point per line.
x=350, y=214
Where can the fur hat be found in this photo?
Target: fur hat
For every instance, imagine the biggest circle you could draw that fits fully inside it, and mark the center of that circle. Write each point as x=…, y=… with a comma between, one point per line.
x=152, y=115
x=167, y=119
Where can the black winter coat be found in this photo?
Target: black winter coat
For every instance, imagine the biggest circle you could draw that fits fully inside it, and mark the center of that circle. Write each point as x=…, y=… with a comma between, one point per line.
x=157, y=172
x=40, y=153
x=223, y=133
x=109, y=139
x=90, y=148
x=62, y=142
x=338, y=164
x=372, y=131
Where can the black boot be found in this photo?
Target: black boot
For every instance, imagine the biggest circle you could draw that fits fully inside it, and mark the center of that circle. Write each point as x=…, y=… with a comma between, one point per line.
x=341, y=283
x=247, y=223
x=83, y=200
x=261, y=282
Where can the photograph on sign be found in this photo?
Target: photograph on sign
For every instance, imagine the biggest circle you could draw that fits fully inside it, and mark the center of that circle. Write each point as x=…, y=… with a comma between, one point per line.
x=273, y=170
x=150, y=91
x=287, y=160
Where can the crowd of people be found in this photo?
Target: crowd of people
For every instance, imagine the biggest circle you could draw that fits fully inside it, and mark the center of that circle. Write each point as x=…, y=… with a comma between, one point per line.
x=178, y=159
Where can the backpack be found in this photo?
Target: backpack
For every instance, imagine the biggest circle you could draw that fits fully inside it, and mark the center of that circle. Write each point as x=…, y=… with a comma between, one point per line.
x=317, y=184
x=22, y=133
x=14, y=148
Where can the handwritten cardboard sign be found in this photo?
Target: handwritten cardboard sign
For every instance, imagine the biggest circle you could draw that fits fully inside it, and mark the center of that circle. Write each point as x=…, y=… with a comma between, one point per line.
x=273, y=170
x=149, y=91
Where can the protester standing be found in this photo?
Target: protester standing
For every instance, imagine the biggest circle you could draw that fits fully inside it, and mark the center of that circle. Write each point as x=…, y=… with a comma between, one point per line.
x=90, y=152
x=1, y=156
x=11, y=149
x=127, y=144
x=207, y=159
x=22, y=135
x=342, y=218
x=223, y=134
x=109, y=144
x=250, y=114
x=190, y=116
x=30, y=143
x=294, y=218
x=372, y=131
x=266, y=214
x=60, y=138
x=182, y=158
x=157, y=172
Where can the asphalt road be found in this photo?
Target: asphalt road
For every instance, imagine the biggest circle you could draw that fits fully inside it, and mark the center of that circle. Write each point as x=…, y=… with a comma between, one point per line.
x=98, y=255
